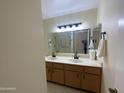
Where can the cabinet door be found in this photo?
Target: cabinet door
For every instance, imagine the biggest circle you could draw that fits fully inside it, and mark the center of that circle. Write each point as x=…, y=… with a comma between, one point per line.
x=58, y=76
x=72, y=79
x=48, y=74
x=90, y=82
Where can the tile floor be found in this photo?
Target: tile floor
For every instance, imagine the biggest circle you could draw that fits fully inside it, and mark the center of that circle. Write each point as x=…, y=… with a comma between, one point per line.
x=56, y=88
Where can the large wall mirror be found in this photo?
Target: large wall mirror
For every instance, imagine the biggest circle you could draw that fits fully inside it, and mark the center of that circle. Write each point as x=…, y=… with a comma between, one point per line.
x=72, y=41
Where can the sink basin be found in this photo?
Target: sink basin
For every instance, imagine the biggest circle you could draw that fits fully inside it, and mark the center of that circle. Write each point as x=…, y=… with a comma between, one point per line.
x=51, y=58
x=56, y=58
x=76, y=60
x=64, y=59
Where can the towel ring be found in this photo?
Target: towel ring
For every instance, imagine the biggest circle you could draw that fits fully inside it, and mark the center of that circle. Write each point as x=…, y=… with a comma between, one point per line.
x=103, y=34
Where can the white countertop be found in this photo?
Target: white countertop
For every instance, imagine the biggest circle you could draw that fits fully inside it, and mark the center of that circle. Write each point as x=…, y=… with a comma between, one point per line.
x=70, y=60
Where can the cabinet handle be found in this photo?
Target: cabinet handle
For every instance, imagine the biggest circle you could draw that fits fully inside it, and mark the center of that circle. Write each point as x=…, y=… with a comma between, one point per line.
x=77, y=75
x=83, y=76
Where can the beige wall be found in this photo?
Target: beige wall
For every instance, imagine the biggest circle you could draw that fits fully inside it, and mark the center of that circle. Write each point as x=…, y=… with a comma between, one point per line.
x=88, y=18
x=120, y=61
x=109, y=18
x=21, y=46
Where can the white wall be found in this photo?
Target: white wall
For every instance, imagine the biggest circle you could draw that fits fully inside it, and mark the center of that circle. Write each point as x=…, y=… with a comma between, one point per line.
x=52, y=8
x=109, y=18
x=21, y=46
x=120, y=61
x=88, y=18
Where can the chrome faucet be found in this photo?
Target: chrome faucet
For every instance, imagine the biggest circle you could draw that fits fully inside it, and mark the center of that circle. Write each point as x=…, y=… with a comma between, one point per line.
x=76, y=55
x=53, y=54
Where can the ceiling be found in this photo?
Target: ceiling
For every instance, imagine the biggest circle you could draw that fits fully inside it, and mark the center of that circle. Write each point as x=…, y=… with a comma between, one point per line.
x=53, y=8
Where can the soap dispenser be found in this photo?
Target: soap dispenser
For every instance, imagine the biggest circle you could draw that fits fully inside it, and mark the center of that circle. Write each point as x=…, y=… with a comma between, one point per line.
x=91, y=50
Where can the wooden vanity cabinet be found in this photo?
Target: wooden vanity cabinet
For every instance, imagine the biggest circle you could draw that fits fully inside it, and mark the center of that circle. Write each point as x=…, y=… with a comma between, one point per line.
x=73, y=76
x=72, y=79
x=91, y=79
x=58, y=73
x=81, y=77
x=55, y=72
x=49, y=71
x=91, y=83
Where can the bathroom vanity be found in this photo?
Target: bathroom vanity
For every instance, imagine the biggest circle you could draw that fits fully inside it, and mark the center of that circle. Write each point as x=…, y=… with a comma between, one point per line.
x=82, y=73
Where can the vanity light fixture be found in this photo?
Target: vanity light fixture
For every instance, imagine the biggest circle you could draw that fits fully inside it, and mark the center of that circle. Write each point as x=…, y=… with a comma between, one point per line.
x=59, y=27
x=65, y=26
x=76, y=24
x=70, y=27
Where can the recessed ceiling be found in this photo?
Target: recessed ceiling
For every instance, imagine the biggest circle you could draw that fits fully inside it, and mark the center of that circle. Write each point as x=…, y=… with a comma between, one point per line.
x=53, y=8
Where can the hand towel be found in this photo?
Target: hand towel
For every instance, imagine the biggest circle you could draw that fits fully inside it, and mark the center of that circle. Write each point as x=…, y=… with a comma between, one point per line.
x=101, y=48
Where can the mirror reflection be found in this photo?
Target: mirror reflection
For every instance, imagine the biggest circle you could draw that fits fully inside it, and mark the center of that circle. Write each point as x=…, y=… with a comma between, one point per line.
x=69, y=42
x=73, y=41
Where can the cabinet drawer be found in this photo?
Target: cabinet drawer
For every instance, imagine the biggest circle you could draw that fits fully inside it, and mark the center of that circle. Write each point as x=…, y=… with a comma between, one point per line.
x=48, y=64
x=58, y=65
x=73, y=68
x=92, y=70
